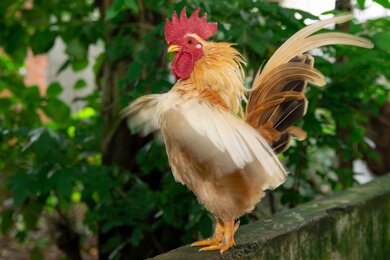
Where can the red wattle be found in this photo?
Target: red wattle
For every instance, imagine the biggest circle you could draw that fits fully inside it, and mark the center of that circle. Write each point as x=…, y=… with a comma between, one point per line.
x=182, y=65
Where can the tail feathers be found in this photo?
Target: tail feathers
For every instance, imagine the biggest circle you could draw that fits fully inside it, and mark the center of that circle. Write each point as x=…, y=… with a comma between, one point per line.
x=304, y=41
x=281, y=145
x=275, y=107
x=277, y=100
x=289, y=76
x=290, y=113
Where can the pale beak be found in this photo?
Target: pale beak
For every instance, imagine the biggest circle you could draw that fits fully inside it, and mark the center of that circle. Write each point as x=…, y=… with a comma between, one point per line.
x=173, y=48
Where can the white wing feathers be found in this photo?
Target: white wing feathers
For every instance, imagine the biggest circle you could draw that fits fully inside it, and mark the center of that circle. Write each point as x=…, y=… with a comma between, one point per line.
x=141, y=114
x=211, y=125
x=211, y=135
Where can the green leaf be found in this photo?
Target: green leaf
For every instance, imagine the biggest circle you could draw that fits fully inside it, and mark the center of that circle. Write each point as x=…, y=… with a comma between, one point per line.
x=136, y=236
x=63, y=66
x=63, y=181
x=76, y=196
x=121, y=47
x=361, y=3
x=52, y=201
x=258, y=43
x=42, y=41
x=86, y=112
x=78, y=65
x=20, y=185
x=76, y=49
x=42, y=141
x=57, y=110
x=80, y=84
x=31, y=93
x=111, y=13
x=132, y=4
x=133, y=71
x=54, y=89
x=258, y=47
x=16, y=41
x=99, y=62
x=384, y=3
x=382, y=40
x=114, y=10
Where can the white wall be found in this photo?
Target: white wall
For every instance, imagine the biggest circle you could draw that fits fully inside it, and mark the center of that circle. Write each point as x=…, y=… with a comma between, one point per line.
x=315, y=7
x=68, y=77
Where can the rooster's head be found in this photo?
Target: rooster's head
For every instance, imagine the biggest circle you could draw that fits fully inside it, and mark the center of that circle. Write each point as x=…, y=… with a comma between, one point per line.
x=186, y=37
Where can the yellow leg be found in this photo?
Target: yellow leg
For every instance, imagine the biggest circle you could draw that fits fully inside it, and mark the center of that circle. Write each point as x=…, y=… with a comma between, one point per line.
x=216, y=239
x=229, y=228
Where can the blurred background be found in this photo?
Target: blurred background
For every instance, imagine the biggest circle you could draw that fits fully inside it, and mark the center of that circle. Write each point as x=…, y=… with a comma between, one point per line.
x=74, y=182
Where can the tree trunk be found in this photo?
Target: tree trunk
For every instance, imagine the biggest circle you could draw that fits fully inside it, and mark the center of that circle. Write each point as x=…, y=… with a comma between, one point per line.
x=65, y=235
x=345, y=165
x=378, y=130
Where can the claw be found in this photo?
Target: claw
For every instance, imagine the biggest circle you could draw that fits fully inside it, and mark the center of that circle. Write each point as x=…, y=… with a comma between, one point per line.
x=207, y=242
x=211, y=248
x=223, y=238
x=221, y=247
x=236, y=226
x=227, y=246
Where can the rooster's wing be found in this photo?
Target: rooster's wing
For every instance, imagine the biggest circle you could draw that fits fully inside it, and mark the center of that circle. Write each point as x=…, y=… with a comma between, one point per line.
x=212, y=136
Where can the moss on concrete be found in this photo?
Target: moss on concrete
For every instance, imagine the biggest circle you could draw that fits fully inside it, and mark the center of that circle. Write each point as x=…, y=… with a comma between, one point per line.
x=353, y=224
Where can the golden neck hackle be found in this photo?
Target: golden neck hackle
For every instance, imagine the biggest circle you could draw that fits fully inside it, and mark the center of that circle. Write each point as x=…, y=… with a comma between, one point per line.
x=219, y=70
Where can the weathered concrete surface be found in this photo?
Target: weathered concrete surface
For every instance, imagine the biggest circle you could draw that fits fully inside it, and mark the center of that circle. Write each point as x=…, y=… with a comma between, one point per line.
x=353, y=224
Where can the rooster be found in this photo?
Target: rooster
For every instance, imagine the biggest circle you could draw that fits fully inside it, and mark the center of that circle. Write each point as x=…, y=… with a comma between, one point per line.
x=227, y=156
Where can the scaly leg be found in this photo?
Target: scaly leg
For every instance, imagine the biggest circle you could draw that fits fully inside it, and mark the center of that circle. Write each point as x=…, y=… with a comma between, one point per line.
x=217, y=237
x=229, y=228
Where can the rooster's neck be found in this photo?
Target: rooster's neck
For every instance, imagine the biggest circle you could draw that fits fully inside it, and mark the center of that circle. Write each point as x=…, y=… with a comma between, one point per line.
x=220, y=71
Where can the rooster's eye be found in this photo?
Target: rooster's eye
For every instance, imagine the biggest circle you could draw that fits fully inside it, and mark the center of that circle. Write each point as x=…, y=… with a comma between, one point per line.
x=189, y=41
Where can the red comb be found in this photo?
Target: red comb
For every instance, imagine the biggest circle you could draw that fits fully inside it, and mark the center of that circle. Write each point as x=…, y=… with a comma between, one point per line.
x=175, y=30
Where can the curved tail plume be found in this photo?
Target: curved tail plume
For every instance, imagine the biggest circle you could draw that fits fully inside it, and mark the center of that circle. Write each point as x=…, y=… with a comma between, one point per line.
x=277, y=100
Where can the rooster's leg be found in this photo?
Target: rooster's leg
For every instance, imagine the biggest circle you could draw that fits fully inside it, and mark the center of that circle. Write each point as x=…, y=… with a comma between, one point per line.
x=216, y=239
x=229, y=228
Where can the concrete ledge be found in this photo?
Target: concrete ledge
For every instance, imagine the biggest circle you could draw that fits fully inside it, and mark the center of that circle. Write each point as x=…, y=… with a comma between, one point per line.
x=353, y=224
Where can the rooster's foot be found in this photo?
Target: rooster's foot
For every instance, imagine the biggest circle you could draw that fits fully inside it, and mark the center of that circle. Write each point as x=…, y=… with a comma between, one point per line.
x=221, y=247
x=207, y=242
x=223, y=238
x=217, y=237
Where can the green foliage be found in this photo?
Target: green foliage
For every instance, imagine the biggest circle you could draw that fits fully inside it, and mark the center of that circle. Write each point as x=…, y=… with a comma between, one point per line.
x=52, y=160
x=384, y=3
